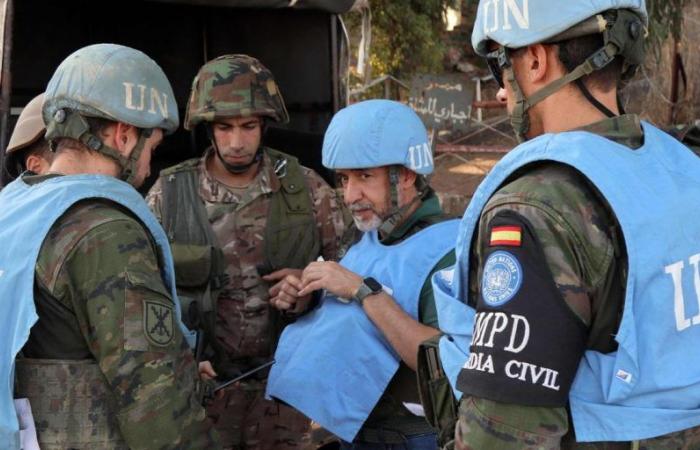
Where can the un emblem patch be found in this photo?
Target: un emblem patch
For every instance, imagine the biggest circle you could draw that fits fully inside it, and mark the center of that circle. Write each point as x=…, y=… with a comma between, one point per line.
x=502, y=278
x=158, y=323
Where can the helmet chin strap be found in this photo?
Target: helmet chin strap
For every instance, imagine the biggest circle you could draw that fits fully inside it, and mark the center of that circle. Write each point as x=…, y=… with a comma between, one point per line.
x=397, y=214
x=235, y=169
x=520, y=119
x=67, y=123
x=130, y=169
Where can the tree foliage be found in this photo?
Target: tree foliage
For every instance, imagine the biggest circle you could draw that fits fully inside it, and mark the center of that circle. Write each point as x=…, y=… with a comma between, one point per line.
x=665, y=19
x=406, y=35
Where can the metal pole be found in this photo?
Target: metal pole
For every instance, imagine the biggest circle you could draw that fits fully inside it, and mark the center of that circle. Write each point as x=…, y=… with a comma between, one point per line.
x=335, y=64
x=6, y=84
x=674, y=81
x=479, y=111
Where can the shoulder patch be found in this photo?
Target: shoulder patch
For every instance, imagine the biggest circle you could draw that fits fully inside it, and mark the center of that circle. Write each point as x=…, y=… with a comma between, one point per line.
x=501, y=279
x=509, y=236
x=158, y=323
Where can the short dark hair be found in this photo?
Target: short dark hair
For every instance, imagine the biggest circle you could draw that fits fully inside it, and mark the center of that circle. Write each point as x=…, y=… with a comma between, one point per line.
x=39, y=148
x=574, y=52
x=16, y=162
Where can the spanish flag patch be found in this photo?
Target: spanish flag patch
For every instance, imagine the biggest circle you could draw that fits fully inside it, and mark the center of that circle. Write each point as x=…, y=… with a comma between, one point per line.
x=510, y=236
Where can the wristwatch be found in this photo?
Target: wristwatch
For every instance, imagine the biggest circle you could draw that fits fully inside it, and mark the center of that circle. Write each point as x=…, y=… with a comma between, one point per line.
x=369, y=286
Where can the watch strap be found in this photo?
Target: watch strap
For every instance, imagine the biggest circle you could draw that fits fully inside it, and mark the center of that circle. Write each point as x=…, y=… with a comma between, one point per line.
x=365, y=290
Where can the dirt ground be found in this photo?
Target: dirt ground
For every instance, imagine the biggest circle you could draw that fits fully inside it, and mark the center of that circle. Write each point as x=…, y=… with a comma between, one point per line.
x=457, y=175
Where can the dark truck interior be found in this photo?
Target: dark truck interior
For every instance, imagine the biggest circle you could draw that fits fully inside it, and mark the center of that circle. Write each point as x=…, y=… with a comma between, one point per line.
x=304, y=47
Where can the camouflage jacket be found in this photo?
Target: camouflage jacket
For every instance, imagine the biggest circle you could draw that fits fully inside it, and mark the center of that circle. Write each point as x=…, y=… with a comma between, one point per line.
x=688, y=134
x=96, y=269
x=583, y=249
x=245, y=321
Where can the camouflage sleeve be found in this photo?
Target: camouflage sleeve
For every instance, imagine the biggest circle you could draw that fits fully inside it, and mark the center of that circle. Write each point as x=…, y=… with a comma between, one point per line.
x=573, y=229
x=328, y=213
x=154, y=198
x=110, y=277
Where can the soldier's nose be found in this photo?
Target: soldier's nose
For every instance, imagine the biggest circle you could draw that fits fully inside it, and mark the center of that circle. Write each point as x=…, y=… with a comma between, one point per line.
x=502, y=95
x=351, y=194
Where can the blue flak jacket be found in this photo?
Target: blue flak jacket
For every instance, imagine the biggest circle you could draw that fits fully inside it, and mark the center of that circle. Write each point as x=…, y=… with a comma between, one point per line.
x=334, y=364
x=651, y=385
x=26, y=216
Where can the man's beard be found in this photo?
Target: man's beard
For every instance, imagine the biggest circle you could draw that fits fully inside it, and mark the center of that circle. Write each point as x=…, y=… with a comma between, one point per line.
x=365, y=225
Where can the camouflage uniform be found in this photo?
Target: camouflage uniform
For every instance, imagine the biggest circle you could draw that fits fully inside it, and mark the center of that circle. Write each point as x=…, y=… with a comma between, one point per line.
x=584, y=251
x=687, y=134
x=246, y=324
x=97, y=268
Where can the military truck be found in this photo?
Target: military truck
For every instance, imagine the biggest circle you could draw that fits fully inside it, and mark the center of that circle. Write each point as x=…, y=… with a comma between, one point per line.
x=303, y=42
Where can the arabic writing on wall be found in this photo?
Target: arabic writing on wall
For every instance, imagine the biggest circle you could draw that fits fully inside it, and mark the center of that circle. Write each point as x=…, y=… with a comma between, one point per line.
x=442, y=102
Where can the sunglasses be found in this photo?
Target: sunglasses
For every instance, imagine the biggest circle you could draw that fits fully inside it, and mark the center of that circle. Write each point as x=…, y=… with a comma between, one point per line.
x=497, y=61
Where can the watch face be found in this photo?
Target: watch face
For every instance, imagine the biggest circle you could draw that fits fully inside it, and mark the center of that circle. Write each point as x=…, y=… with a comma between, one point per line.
x=373, y=284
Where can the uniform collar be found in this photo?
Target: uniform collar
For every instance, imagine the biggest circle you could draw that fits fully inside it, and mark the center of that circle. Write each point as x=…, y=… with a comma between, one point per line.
x=429, y=206
x=625, y=130
x=32, y=178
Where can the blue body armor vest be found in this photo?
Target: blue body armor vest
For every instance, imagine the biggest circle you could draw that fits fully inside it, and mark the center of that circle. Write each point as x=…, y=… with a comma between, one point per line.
x=26, y=216
x=650, y=386
x=334, y=364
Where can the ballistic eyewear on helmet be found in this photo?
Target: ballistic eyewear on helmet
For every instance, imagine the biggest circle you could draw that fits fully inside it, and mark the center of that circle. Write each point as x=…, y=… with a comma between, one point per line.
x=497, y=61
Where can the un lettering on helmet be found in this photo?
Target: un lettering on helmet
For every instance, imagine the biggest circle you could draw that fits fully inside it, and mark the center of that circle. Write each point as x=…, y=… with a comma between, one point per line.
x=498, y=14
x=420, y=157
x=377, y=133
x=519, y=23
x=112, y=82
x=153, y=99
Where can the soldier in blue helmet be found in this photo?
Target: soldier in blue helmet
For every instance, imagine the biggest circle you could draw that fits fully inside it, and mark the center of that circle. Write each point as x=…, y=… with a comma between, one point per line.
x=350, y=364
x=571, y=311
x=91, y=325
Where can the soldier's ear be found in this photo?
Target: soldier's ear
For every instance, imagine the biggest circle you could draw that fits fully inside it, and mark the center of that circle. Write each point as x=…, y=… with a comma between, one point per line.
x=123, y=137
x=539, y=62
x=37, y=164
x=407, y=178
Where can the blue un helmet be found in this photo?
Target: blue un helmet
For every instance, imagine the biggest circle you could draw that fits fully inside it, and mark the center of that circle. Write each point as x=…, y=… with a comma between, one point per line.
x=111, y=82
x=514, y=24
x=379, y=133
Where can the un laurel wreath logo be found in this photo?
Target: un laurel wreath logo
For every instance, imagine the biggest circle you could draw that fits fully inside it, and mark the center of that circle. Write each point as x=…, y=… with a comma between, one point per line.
x=502, y=278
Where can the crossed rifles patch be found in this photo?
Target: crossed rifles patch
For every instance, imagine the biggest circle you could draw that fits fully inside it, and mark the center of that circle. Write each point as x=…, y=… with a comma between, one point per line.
x=158, y=323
